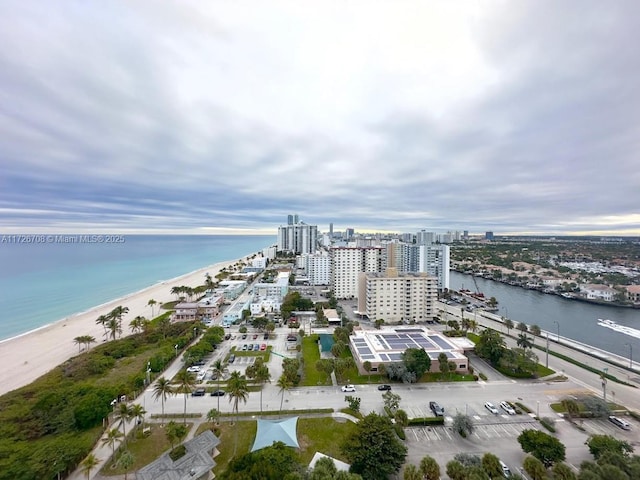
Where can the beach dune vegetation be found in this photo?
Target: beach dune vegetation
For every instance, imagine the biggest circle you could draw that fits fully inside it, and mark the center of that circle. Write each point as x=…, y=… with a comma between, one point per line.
x=49, y=426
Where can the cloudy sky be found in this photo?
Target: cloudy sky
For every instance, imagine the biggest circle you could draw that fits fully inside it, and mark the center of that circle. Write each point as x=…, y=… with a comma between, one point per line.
x=195, y=116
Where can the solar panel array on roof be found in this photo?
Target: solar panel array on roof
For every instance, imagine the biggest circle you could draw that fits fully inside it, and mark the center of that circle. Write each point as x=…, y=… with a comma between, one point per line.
x=395, y=357
x=441, y=342
x=368, y=357
x=364, y=349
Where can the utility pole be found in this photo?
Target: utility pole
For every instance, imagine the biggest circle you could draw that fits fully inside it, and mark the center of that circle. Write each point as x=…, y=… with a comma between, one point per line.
x=604, y=383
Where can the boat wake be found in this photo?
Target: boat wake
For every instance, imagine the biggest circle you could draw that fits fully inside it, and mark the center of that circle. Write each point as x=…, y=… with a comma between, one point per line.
x=632, y=332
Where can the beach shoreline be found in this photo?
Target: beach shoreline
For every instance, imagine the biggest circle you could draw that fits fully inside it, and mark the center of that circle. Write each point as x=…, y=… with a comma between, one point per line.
x=27, y=356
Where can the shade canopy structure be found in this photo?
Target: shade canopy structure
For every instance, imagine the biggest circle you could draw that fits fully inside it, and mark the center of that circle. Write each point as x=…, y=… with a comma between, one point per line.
x=270, y=431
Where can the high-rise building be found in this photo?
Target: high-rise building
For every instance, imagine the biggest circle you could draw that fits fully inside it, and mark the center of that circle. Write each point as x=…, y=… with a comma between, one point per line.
x=331, y=230
x=298, y=237
x=349, y=233
x=488, y=235
x=397, y=297
x=434, y=260
x=423, y=237
x=347, y=263
x=317, y=267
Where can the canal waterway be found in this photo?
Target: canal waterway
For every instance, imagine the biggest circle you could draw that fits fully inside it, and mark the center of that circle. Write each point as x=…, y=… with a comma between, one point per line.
x=576, y=320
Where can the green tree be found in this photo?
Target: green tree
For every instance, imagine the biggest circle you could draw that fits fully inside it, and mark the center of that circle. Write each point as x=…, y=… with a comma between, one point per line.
x=378, y=323
x=429, y=468
x=274, y=462
x=522, y=327
x=122, y=414
x=354, y=402
x=443, y=362
x=218, y=370
x=262, y=376
x=542, y=446
x=524, y=341
x=508, y=323
x=417, y=361
x=535, y=330
x=411, y=472
x=391, y=401
x=462, y=424
x=238, y=390
x=284, y=384
x=535, y=468
x=138, y=412
x=599, y=444
x=562, y=471
x=162, y=389
x=111, y=439
x=125, y=462
x=152, y=303
x=213, y=415
x=184, y=383
x=175, y=432
x=88, y=464
x=373, y=449
x=491, y=465
x=456, y=471
x=367, y=368
x=490, y=346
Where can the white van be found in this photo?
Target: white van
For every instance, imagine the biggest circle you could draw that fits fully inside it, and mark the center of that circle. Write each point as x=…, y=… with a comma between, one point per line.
x=505, y=470
x=623, y=424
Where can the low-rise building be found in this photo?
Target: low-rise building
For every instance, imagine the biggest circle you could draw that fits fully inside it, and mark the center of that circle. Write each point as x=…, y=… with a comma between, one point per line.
x=598, y=292
x=633, y=293
x=188, y=311
x=387, y=345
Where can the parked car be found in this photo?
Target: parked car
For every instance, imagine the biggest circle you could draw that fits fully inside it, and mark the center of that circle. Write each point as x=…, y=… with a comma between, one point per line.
x=617, y=421
x=193, y=369
x=505, y=469
x=348, y=388
x=244, y=336
x=244, y=347
x=256, y=347
x=491, y=407
x=227, y=336
x=232, y=358
x=384, y=387
x=198, y=392
x=266, y=336
x=507, y=408
x=263, y=346
x=437, y=410
x=255, y=335
x=218, y=393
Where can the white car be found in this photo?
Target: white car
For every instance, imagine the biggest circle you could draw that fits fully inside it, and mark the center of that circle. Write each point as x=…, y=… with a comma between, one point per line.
x=507, y=408
x=491, y=407
x=348, y=388
x=193, y=369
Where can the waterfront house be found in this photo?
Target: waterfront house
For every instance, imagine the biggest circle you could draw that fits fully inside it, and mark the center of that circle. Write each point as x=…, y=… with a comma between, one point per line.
x=598, y=292
x=633, y=293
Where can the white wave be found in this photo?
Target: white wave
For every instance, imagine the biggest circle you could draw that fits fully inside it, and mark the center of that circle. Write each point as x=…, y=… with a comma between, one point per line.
x=632, y=332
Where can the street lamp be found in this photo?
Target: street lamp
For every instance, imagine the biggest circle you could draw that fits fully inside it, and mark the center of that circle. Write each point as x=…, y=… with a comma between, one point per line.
x=630, y=354
x=604, y=383
x=557, y=325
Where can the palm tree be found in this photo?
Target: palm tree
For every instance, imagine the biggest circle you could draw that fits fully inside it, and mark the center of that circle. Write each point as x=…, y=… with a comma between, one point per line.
x=88, y=340
x=524, y=341
x=78, y=341
x=411, y=472
x=284, y=384
x=111, y=439
x=185, y=382
x=89, y=464
x=152, y=303
x=218, y=368
x=137, y=324
x=430, y=468
x=163, y=389
x=213, y=415
x=123, y=414
x=126, y=461
x=102, y=320
x=238, y=390
x=262, y=376
x=114, y=327
x=508, y=323
x=117, y=314
x=138, y=412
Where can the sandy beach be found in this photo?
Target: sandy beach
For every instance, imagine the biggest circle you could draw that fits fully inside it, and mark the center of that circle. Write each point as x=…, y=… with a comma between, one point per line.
x=25, y=358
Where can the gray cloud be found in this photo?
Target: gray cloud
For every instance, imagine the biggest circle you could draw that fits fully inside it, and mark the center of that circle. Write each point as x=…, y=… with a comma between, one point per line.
x=519, y=117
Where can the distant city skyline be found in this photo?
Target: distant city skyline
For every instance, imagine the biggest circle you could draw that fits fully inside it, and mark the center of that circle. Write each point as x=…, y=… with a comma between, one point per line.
x=218, y=117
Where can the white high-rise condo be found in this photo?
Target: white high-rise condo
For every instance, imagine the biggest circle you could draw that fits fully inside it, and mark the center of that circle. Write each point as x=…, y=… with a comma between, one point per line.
x=347, y=263
x=297, y=237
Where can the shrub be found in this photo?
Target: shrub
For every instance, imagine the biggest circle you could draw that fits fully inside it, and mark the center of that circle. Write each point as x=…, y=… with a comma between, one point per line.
x=482, y=376
x=177, y=452
x=423, y=421
x=399, y=431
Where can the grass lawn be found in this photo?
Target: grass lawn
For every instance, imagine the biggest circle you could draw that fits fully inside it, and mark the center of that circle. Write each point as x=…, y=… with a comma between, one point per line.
x=321, y=435
x=227, y=433
x=543, y=371
x=144, y=450
x=311, y=354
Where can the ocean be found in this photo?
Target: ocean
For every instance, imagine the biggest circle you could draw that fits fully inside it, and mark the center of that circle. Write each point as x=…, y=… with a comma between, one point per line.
x=45, y=281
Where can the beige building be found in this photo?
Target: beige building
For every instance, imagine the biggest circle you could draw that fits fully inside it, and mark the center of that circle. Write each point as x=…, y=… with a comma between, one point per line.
x=387, y=345
x=347, y=263
x=633, y=293
x=397, y=297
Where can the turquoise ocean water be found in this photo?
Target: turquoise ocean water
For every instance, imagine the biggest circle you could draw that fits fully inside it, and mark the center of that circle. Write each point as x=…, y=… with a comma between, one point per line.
x=41, y=283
